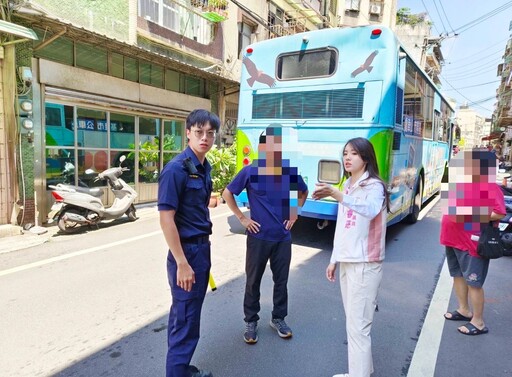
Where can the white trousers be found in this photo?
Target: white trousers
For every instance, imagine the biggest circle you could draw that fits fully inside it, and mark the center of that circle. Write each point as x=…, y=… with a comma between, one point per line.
x=359, y=286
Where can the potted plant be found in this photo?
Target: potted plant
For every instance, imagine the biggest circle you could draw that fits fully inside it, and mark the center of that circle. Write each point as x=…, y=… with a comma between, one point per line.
x=223, y=162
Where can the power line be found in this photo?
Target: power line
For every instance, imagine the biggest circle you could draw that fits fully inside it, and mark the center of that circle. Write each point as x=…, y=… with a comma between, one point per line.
x=470, y=70
x=472, y=102
x=440, y=18
x=461, y=72
x=458, y=70
x=479, y=52
x=458, y=78
x=429, y=16
x=472, y=86
x=445, y=16
x=481, y=19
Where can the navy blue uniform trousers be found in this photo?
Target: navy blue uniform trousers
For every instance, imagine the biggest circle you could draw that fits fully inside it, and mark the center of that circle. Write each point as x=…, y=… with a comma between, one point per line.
x=257, y=255
x=185, y=313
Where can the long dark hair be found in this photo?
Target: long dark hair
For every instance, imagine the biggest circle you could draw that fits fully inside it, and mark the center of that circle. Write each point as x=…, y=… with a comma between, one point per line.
x=365, y=149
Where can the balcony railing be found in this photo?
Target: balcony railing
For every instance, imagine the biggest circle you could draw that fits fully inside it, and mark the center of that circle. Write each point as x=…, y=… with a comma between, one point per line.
x=213, y=10
x=179, y=18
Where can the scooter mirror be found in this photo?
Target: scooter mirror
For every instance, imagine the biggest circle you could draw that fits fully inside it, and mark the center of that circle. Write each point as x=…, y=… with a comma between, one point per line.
x=122, y=158
x=89, y=171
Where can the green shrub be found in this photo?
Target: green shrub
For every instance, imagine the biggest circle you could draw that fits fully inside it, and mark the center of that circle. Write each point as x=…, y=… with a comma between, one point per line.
x=223, y=162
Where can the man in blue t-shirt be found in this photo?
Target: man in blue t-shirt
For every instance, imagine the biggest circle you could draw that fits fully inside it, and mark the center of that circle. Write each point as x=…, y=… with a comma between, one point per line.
x=184, y=190
x=275, y=191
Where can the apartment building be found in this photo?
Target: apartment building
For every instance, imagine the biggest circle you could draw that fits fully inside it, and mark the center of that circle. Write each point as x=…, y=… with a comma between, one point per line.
x=471, y=126
x=118, y=77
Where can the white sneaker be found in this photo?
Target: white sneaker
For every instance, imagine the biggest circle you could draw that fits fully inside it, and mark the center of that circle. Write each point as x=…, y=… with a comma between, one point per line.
x=341, y=375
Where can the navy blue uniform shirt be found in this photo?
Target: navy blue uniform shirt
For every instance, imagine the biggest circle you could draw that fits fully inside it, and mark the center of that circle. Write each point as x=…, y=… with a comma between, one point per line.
x=188, y=194
x=269, y=199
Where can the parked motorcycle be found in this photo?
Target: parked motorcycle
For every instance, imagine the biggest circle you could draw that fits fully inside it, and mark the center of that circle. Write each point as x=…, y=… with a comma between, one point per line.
x=68, y=174
x=82, y=208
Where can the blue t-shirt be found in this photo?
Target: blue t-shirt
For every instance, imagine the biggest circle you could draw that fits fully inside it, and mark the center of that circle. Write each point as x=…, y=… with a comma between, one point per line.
x=271, y=198
x=188, y=194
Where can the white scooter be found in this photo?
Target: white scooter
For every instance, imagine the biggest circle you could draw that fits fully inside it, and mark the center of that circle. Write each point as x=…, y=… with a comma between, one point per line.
x=68, y=173
x=81, y=208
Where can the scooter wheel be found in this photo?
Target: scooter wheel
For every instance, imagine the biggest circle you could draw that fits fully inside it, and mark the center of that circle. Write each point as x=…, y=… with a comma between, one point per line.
x=67, y=226
x=131, y=213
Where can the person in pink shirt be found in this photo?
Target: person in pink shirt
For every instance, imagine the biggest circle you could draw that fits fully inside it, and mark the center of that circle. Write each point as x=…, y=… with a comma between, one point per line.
x=473, y=199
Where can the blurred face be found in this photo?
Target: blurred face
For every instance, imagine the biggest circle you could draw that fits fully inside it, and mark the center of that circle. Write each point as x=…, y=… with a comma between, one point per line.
x=352, y=161
x=464, y=168
x=201, y=139
x=271, y=151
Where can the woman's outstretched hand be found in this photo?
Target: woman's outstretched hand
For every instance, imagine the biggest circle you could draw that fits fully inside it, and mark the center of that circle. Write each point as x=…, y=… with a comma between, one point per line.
x=322, y=190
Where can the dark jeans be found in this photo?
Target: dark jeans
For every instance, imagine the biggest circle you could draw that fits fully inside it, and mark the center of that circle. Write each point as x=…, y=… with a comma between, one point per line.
x=257, y=255
x=185, y=313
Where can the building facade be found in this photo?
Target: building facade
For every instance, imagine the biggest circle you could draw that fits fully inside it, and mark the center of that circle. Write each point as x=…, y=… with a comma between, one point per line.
x=417, y=39
x=118, y=77
x=503, y=110
x=471, y=126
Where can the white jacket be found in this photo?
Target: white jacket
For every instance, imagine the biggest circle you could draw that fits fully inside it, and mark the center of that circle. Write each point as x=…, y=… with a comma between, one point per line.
x=361, y=225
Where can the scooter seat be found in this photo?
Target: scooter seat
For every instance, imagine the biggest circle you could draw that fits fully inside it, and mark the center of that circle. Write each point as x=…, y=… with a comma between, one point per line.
x=96, y=192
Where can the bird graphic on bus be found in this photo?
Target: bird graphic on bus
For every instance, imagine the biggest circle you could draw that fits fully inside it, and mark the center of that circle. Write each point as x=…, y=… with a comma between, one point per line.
x=256, y=74
x=367, y=65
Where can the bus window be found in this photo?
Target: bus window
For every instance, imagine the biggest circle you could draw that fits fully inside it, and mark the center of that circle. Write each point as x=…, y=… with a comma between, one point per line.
x=59, y=125
x=310, y=64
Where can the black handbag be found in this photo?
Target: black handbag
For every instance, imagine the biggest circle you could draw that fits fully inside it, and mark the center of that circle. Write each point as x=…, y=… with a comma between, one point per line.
x=489, y=243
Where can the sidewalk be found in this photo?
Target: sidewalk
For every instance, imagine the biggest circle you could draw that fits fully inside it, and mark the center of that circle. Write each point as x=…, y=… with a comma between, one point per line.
x=13, y=237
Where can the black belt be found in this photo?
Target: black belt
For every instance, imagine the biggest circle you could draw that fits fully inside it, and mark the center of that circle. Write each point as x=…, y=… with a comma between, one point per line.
x=196, y=240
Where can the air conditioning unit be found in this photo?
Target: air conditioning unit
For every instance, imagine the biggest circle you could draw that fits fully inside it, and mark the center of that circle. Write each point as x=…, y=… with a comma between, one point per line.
x=375, y=9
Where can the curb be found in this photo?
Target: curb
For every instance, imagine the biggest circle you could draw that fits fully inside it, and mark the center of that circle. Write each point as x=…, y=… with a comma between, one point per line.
x=24, y=239
x=13, y=237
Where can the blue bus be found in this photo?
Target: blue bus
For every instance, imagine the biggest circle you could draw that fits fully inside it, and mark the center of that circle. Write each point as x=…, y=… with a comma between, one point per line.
x=327, y=86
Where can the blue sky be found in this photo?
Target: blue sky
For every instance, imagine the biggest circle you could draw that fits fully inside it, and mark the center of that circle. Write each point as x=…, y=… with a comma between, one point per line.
x=472, y=57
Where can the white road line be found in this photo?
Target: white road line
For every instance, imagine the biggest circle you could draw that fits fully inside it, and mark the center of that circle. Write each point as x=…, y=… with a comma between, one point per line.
x=86, y=251
x=423, y=363
x=428, y=207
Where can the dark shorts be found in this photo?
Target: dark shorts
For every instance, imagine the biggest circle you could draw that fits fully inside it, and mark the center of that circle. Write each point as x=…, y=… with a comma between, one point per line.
x=462, y=264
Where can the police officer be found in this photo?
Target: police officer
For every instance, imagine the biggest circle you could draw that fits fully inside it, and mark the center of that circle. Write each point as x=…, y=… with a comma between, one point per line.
x=184, y=190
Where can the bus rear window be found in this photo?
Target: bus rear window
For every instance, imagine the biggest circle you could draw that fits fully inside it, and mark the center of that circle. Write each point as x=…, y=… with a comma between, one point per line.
x=307, y=64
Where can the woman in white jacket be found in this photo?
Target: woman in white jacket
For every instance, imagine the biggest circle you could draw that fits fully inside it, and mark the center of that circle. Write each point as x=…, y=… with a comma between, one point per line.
x=359, y=243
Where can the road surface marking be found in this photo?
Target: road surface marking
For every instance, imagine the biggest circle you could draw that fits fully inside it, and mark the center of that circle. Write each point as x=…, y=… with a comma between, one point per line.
x=423, y=363
x=425, y=210
x=86, y=251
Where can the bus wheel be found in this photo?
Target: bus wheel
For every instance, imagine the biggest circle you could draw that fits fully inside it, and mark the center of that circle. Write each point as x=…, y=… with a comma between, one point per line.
x=416, y=204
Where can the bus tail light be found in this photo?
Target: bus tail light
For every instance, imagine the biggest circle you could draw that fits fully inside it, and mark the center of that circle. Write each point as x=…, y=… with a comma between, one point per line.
x=246, y=150
x=376, y=32
x=249, y=50
x=246, y=161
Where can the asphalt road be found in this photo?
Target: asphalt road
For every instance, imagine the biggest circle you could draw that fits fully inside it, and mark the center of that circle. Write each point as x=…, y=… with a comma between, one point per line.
x=96, y=304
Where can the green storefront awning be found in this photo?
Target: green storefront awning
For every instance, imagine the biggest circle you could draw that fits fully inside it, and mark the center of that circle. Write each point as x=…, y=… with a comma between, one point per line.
x=18, y=30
